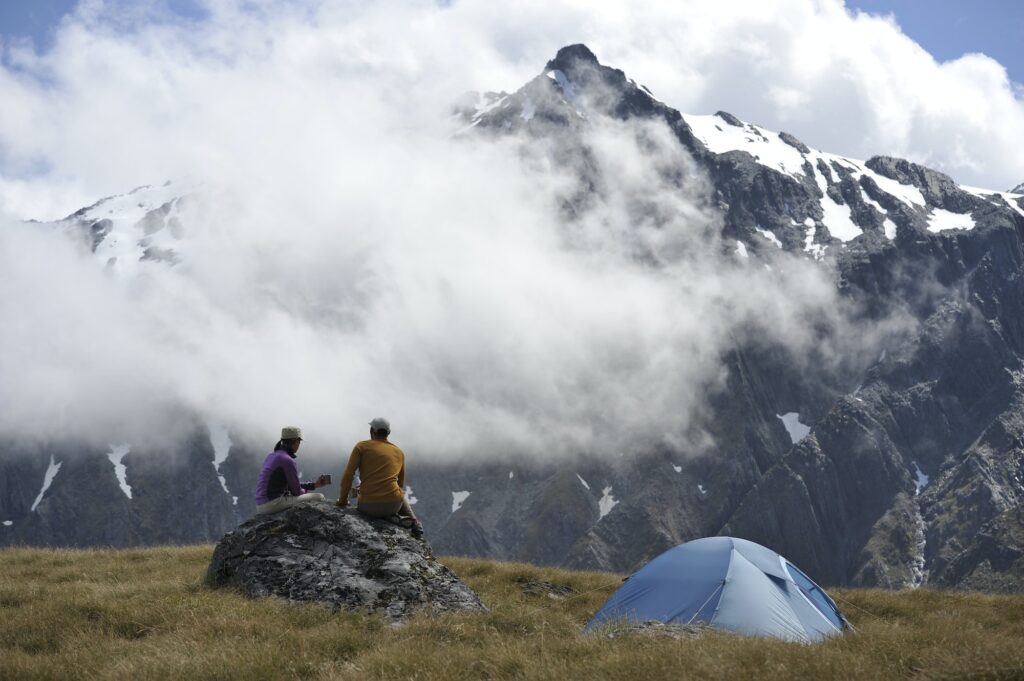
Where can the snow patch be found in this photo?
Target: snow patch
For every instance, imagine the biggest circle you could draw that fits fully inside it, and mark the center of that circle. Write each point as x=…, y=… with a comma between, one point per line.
x=741, y=250
x=410, y=497
x=511, y=474
x=797, y=431
x=582, y=481
x=906, y=193
x=677, y=469
x=940, y=220
x=458, y=499
x=769, y=235
x=607, y=502
x=839, y=220
x=221, y=442
x=889, y=228
x=146, y=220
x=51, y=473
x=568, y=89
x=837, y=217
x=8, y=523
x=817, y=251
x=487, y=102
x=528, y=112
x=769, y=150
x=980, y=192
x=997, y=197
x=1011, y=200
x=871, y=202
x=116, y=454
x=700, y=488
x=764, y=145
x=921, y=480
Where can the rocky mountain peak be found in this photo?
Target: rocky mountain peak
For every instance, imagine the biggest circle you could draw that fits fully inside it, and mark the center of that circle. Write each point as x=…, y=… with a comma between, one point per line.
x=569, y=57
x=1019, y=189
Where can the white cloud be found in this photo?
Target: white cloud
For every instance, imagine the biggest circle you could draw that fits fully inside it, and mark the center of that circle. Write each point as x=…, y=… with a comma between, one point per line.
x=119, y=99
x=351, y=259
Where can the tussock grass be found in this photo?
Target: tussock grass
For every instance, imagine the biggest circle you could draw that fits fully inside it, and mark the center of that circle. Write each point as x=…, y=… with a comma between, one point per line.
x=145, y=614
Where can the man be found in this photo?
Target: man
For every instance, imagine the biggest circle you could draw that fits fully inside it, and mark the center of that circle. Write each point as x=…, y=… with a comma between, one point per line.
x=278, y=486
x=381, y=467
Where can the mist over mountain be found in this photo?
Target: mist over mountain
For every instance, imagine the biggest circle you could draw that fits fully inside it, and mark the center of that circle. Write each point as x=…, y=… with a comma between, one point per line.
x=607, y=327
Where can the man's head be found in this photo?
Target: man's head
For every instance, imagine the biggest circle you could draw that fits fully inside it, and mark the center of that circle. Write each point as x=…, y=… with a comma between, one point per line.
x=380, y=428
x=291, y=438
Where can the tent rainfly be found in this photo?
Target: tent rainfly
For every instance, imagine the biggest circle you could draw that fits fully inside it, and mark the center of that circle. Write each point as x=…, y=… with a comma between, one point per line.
x=732, y=584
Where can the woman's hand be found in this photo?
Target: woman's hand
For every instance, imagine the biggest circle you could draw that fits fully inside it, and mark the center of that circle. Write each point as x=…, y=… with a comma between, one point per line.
x=323, y=480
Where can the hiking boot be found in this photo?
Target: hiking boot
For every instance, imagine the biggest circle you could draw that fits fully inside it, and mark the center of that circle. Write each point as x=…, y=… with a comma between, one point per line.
x=400, y=520
x=417, y=529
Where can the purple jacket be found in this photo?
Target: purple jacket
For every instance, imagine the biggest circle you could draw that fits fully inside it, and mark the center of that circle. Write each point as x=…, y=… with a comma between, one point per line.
x=278, y=476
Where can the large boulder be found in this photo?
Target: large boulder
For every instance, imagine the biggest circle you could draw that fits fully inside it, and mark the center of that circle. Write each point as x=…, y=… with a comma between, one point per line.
x=320, y=553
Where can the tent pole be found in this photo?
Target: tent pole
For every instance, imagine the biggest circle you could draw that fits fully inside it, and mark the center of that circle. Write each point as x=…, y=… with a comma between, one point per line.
x=706, y=602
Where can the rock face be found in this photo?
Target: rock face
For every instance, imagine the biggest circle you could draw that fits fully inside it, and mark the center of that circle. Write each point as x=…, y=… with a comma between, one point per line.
x=319, y=553
x=69, y=494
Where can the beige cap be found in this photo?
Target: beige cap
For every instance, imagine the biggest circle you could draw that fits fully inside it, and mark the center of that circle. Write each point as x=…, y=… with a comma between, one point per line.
x=291, y=433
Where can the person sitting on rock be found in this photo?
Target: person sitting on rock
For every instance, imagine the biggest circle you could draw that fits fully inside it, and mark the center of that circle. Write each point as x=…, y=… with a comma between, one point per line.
x=278, y=486
x=381, y=467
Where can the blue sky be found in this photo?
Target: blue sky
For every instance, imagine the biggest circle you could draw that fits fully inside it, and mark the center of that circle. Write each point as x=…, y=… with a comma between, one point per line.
x=37, y=19
x=950, y=28
x=946, y=28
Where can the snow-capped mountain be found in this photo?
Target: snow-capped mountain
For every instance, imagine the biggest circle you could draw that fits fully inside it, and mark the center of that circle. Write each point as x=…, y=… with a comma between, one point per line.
x=849, y=197
x=901, y=474
x=144, y=225
x=903, y=468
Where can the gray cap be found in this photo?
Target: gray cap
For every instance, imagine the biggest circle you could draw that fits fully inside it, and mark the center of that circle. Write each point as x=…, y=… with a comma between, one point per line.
x=380, y=423
x=291, y=433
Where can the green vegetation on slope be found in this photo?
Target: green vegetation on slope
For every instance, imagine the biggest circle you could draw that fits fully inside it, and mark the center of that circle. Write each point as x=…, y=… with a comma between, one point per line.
x=145, y=614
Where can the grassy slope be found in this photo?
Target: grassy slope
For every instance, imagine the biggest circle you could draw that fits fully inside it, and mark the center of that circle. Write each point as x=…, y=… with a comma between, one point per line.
x=144, y=614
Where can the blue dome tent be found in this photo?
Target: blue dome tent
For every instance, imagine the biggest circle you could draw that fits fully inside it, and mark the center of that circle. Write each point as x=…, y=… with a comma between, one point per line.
x=732, y=584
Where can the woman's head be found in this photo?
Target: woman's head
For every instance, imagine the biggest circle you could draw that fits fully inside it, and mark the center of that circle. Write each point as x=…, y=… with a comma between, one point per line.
x=291, y=445
x=291, y=438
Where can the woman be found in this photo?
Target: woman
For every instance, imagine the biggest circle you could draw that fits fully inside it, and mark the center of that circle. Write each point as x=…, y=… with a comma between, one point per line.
x=278, y=486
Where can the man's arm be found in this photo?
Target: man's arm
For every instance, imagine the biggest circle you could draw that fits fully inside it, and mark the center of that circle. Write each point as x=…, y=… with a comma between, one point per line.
x=348, y=475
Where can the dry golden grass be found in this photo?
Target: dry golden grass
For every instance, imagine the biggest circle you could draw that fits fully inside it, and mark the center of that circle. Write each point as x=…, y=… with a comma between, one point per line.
x=145, y=614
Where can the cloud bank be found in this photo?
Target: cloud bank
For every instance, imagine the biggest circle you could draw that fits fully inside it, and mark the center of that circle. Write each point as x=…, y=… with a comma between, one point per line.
x=348, y=258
